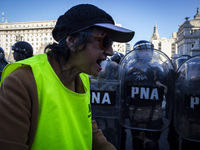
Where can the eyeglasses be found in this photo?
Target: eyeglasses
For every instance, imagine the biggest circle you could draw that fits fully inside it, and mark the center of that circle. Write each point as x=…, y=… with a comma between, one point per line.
x=105, y=41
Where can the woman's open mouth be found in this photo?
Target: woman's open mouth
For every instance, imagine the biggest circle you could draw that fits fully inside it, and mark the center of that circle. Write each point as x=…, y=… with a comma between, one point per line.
x=99, y=64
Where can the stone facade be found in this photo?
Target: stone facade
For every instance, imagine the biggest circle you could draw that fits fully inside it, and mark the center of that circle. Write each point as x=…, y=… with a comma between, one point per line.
x=189, y=36
x=37, y=33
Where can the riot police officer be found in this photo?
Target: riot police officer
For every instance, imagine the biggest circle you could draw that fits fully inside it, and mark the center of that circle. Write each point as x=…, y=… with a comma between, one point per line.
x=154, y=115
x=144, y=95
x=105, y=95
x=173, y=137
x=187, y=104
x=22, y=50
x=3, y=61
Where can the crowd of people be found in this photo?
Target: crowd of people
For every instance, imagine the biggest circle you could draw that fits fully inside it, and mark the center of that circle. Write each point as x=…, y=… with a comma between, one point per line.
x=45, y=99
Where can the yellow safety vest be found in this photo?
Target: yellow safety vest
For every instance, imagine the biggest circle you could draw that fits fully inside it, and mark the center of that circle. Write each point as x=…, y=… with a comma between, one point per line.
x=64, y=117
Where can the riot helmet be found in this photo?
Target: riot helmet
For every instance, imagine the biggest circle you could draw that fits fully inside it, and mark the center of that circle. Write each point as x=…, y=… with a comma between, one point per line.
x=181, y=59
x=143, y=44
x=23, y=49
x=144, y=50
x=2, y=55
x=116, y=57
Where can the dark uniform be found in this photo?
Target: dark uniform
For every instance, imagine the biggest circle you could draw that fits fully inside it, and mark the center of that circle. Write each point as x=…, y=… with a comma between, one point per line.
x=145, y=110
x=3, y=61
x=187, y=104
x=145, y=100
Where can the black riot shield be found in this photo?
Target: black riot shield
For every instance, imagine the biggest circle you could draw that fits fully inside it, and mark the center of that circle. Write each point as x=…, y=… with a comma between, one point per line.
x=105, y=94
x=187, y=100
x=146, y=102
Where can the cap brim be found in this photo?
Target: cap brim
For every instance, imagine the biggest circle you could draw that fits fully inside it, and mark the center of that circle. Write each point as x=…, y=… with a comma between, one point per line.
x=118, y=34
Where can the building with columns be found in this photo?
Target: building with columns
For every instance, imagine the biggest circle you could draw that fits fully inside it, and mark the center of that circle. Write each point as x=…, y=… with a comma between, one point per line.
x=38, y=34
x=189, y=36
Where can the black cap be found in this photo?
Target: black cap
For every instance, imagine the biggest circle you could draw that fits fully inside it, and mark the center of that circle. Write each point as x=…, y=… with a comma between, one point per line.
x=83, y=16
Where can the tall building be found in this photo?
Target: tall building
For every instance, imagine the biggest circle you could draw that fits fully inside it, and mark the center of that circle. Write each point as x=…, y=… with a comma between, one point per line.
x=189, y=36
x=121, y=47
x=168, y=46
x=37, y=33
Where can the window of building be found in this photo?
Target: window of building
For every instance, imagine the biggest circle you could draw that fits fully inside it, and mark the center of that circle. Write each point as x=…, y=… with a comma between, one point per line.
x=193, y=31
x=159, y=46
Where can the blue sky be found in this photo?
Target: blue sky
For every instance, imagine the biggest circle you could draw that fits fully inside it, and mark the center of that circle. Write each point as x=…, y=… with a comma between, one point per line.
x=138, y=15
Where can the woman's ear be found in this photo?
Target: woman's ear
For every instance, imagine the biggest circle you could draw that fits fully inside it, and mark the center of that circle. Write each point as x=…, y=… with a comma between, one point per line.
x=70, y=42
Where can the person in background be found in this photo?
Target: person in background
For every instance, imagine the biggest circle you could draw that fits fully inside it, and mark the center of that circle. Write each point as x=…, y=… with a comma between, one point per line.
x=22, y=50
x=45, y=100
x=117, y=57
x=3, y=61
